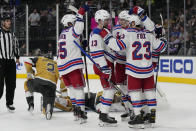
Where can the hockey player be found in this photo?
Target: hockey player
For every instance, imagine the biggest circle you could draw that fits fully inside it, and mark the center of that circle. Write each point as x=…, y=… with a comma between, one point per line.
x=102, y=56
x=70, y=63
x=44, y=82
x=139, y=45
x=121, y=77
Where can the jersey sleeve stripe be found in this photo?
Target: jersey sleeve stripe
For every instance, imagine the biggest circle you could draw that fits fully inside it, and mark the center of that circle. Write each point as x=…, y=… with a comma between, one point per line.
x=97, y=54
x=161, y=47
x=75, y=35
x=28, y=63
x=121, y=44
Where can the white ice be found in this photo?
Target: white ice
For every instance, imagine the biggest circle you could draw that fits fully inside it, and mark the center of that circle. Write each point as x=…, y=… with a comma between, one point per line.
x=178, y=114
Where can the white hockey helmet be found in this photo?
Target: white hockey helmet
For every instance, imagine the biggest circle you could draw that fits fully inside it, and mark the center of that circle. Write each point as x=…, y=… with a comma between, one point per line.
x=68, y=18
x=123, y=14
x=101, y=15
x=135, y=18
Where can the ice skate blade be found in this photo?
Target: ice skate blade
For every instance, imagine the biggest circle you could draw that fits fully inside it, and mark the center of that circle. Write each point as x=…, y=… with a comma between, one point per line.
x=124, y=118
x=104, y=124
x=76, y=118
x=48, y=116
x=31, y=110
x=137, y=126
x=10, y=111
x=82, y=121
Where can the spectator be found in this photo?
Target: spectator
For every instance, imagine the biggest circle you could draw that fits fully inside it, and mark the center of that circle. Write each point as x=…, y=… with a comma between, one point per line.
x=34, y=19
x=23, y=50
x=50, y=48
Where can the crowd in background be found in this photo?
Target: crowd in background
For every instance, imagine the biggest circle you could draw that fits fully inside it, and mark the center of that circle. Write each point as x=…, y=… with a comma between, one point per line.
x=42, y=21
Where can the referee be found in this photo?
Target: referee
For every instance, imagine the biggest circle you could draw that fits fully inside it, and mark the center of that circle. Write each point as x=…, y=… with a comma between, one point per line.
x=9, y=49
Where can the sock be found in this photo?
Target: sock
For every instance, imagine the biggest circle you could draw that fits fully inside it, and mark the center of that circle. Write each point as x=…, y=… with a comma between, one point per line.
x=151, y=99
x=136, y=101
x=80, y=98
x=106, y=100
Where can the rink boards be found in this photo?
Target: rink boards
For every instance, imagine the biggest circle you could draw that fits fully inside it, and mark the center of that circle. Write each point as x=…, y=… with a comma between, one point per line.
x=171, y=69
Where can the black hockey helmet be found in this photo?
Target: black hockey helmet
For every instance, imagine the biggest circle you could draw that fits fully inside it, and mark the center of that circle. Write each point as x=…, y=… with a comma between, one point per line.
x=48, y=55
x=6, y=17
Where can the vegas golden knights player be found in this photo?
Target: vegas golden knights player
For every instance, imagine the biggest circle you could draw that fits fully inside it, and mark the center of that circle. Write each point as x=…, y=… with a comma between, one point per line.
x=44, y=82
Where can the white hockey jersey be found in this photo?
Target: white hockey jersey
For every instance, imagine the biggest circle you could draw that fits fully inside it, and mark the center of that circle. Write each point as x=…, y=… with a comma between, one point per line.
x=119, y=55
x=139, y=45
x=98, y=50
x=69, y=55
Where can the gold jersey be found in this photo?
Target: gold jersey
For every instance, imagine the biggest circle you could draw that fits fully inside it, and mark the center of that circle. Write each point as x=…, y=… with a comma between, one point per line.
x=46, y=69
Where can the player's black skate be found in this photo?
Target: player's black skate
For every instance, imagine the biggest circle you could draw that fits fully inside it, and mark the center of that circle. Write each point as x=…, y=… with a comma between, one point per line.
x=150, y=118
x=49, y=112
x=30, y=101
x=137, y=122
x=75, y=113
x=105, y=120
x=10, y=108
x=82, y=115
x=126, y=116
x=31, y=108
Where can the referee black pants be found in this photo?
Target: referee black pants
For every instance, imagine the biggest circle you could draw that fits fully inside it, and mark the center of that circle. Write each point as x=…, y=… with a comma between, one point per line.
x=8, y=76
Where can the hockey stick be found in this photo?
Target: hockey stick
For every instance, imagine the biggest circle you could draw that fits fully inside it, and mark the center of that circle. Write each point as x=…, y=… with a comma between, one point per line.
x=72, y=8
x=115, y=86
x=160, y=92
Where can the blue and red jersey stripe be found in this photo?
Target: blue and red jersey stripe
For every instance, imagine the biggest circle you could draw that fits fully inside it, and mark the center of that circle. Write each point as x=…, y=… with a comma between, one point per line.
x=71, y=63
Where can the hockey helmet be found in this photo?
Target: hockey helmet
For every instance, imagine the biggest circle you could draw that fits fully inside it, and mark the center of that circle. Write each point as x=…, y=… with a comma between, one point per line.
x=6, y=17
x=123, y=15
x=68, y=18
x=134, y=18
x=102, y=15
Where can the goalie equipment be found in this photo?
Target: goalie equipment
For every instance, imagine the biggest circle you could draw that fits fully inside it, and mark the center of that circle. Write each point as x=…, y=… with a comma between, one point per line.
x=123, y=14
x=102, y=15
x=68, y=18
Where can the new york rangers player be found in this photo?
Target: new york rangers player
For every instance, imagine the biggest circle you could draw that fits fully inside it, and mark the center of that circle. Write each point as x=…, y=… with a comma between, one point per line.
x=139, y=44
x=103, y=57
x=70, y=63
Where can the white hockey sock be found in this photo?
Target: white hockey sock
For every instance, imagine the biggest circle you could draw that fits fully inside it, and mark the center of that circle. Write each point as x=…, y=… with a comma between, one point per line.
x=72, y=95
x=151, y=99
x=106, y=100
x=136, y=101
x=80, y=98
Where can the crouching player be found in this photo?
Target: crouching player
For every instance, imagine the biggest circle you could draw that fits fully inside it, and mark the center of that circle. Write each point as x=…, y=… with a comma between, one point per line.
x=44, y=82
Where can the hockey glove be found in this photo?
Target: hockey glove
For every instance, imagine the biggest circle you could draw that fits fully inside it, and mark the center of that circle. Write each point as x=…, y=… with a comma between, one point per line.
x=106, y=35
x=84, y=44
x=136, y=10
x=159, y=31
x=104, y=73
x=83, y=9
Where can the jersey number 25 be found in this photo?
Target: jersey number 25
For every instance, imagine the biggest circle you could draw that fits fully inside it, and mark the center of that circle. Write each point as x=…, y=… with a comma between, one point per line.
x=62, y=52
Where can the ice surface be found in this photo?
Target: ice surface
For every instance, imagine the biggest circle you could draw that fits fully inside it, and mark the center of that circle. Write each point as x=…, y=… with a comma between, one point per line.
x=179, y=114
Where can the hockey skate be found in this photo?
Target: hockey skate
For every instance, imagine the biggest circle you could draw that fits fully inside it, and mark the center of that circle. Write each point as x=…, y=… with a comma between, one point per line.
x=75, y=113
x=10, y=108
x=126, y=116
x=31, y=108
x=48, y=112
x=137, y=122
x=82, y=115
x=150, y=118
x=105, y=120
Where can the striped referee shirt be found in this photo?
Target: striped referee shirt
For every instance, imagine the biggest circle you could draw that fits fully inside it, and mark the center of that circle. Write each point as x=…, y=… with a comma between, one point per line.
x=9, y=47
